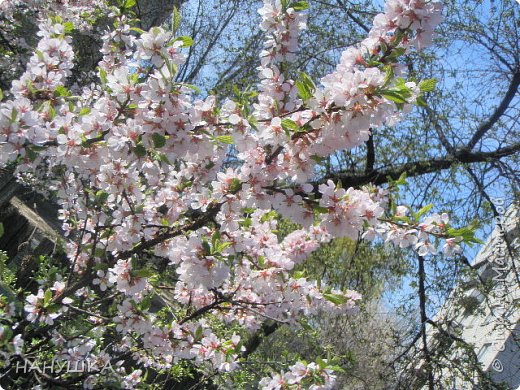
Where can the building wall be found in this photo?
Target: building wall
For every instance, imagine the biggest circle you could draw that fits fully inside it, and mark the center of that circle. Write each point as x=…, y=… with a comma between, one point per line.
x=489, y=321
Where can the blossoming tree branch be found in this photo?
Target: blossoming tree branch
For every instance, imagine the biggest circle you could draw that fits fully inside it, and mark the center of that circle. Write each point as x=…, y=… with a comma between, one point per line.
x=136, y=163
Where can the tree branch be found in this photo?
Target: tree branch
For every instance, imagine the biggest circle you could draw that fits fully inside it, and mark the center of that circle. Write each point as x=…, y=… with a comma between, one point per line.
x=351, y=16
x=417, y=168
x=371, y=156
x=268, y=327
x=197, y=223
x=502, y=107
x=424, y=318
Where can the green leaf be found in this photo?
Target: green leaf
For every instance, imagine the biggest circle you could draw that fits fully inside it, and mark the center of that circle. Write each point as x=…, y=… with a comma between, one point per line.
x=305, y=324
x=421, y=102
x=162, y=158
x=6, y=335
x=146, y=303
x=47, y=297
x=303, y=90
x=400, y=83
x=186, y=41
x=223, y=245
x=140, y=150
x=84, y=111
x=402, y=179
x=320, y=209
x=206, y=247
x=401, y=218
x=14, y=115
x=397, y=52
x=103, y=75
x=134, y=78
x=2, y=231
x=176, y=19
x=101, y=197
x=193, y=87
x=307, y=80
x=159, y=140
x=374, y=63
x=225, y=139
x=51, y=112
x=215, y=238
x=1, y=95
x=143, y=273
x=393, y=96
x=100, y=252
x=389, y=74
x=69, y=27
x=336, y=368
x=305, y=86
x=299, y=5
x=61, y=91
x=460, y=232
x=137, y=30
x=129, y=4
x=235, y=185
x=318, y=159
x=198, y=333
x=31, y=153
x=467, y=233
x=336, y=299
x=427, y=85
x=290, y=126
x=423, y=211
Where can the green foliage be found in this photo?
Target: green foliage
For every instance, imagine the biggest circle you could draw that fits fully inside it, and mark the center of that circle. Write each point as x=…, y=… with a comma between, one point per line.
x=49, y=267
x=336, y=299
x=467, y=233
x=225, y=139
x=159, y=140
x=176, y=20
x=186, y=41
x=305, y=86
x=140, y=150
x=125, y=5
x=290, y=126
x=299, y=5
x=427, y=85
x=7, y=276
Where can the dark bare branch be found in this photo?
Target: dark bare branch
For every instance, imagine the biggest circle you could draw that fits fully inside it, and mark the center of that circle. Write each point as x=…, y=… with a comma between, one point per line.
x=502, y=107
x=371, y=155
x=417, y=168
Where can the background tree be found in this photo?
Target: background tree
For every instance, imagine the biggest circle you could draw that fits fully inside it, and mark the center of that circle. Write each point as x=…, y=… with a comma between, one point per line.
x=475, y=153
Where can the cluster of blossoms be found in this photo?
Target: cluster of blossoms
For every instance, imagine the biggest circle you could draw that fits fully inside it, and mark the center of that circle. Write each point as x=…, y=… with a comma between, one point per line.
x=278, y=93
x=421, y=236
x=348, y=211
x=137, y=166
x=310, y=376
x=17, y=16
x=48, y=69
x=40, y=307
